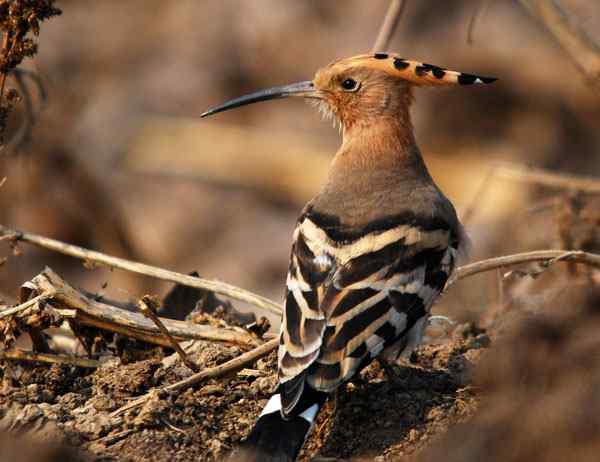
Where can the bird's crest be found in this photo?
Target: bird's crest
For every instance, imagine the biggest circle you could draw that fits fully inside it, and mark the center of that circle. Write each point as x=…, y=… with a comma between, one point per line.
x=415, y=72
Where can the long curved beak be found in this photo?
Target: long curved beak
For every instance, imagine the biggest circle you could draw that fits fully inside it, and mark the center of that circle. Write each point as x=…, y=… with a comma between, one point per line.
x=304, y=89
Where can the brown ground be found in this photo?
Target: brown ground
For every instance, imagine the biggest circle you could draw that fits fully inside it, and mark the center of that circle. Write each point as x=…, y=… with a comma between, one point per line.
x=374, y=416
x=524, y=388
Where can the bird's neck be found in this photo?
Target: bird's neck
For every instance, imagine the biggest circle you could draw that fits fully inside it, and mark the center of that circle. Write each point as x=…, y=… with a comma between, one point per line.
x=377, y=169
x=384, y=146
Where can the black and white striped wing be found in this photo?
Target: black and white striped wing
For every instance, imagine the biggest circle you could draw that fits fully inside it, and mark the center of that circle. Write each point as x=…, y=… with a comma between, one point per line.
x=355, y=294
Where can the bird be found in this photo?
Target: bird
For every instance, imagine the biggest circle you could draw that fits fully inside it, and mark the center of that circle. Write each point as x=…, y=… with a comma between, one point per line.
x=371, y=251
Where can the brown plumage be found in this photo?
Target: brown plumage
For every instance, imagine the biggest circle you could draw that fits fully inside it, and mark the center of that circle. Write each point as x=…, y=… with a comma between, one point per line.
x=371, y=252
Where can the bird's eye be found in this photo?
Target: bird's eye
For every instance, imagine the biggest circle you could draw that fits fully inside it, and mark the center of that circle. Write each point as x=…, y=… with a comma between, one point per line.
x=349, y=84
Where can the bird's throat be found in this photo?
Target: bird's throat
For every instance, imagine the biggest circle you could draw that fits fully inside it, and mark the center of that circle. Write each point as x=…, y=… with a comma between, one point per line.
x=384, y=143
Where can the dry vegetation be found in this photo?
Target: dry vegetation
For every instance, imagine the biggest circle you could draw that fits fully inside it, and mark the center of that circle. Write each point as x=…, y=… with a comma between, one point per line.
x=19, y=19
x=94, y=368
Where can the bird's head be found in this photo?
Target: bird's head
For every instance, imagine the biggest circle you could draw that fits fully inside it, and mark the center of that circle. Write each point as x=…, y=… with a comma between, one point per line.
x=355, y=90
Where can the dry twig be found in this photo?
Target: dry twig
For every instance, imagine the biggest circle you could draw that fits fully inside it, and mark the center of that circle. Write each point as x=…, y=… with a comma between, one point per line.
x=213, y=372
x=469, y=211
x=23, y=306
x=217, y=287
x=531, y=175
x=392, y=17
x=547, y=178
x=478, y=12
x=548, y=256
x=30, y=113
x=85, y=311
x=146, y=307
x=24, y=355
x=580, y=47
x=302, y=164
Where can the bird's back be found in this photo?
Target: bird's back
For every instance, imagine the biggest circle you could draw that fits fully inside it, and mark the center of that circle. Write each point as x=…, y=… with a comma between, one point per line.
x=365, y=269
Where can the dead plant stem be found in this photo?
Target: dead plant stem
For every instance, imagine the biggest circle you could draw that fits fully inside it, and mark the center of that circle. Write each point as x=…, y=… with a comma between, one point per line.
x=217, y=287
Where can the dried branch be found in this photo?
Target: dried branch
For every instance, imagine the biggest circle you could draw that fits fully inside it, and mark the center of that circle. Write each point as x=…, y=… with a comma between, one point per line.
x=24, y=132
x=478, y=12
x=24, y=355
x=546, y=256
x=469, y=211
x=141, y=268
x=85, y=311
x=302, y=164
x=213, y=372
x=547, y=178
x=529, y=175
x=392, y=17
x=146, y=306
x=580, y=47
x=23, y=306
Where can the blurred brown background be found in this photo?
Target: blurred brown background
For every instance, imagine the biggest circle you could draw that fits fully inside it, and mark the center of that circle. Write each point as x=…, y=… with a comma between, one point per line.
x=120, y=162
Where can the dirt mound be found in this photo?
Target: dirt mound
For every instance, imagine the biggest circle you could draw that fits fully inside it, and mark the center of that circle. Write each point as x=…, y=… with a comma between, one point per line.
x=375, y=415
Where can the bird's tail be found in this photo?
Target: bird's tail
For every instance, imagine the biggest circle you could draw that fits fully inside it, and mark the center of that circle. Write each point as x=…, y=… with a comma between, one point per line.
x=278, y=439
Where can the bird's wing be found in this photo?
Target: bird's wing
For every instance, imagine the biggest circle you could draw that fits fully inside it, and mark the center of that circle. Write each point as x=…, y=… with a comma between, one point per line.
x=353, y=293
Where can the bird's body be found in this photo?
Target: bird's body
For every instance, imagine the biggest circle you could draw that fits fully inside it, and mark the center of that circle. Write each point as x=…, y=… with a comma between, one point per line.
x=371, y=252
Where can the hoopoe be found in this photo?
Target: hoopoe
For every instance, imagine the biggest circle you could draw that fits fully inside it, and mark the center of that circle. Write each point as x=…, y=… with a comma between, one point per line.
x=371, y=252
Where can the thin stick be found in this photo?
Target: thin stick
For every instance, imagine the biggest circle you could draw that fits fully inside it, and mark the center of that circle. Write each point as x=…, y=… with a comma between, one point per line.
x=6, y=54
x=548, y=256
x=386, y=31
x=477, y=14
x=500, y=281
x=547, y=178
x=114, y=438
x=149, y=313
x=24, y=355
x=469, y=211
x=217, y=287
x=27, y=304
x=529, y=175
x=100, y=315
x=575, y=41
x=213, y=372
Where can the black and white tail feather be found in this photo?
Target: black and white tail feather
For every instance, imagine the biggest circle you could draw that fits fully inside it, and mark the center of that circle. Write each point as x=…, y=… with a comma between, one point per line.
x=353, y=294
x=276, y=438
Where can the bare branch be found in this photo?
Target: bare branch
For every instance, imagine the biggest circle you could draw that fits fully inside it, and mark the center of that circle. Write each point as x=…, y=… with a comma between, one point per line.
x=24, y=131
x=217, y=287
x=469, y=211
x=23, y=306
x=24, y=355
x=531, y=175
x=547, y=178
x=580, y=47
x=388, y=27
x=213, y=372
x=477, y=14
x=103, y=316
x=547, y=256
x=147, y=310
